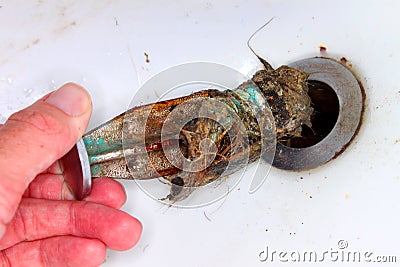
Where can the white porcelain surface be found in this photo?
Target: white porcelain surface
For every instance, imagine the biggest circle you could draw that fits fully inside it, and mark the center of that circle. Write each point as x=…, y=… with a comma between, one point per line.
x=101, y=45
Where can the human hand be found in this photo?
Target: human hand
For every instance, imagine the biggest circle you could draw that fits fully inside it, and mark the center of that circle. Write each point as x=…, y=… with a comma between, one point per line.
x=40, y=223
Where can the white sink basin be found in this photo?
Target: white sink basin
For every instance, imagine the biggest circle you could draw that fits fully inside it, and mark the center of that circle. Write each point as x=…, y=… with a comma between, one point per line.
x=101, y=45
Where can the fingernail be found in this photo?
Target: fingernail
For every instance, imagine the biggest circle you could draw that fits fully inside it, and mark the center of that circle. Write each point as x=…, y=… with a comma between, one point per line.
x=3, y=229
x=70, y=98
x=66, y=192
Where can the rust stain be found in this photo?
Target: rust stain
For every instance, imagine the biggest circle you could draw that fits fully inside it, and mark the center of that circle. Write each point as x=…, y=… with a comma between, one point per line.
x=323, y=49
x=344, y=61
x=364, y=97
x=147, y=57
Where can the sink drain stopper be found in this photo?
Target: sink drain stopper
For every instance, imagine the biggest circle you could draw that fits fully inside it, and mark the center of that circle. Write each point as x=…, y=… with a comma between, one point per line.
x=132, y=145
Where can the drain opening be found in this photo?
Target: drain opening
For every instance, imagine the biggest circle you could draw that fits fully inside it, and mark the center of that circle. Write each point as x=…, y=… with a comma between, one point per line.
x=337, y=118
x=326, y=111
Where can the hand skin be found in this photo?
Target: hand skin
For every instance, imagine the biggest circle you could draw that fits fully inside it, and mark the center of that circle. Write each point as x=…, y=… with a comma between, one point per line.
x=40, y=222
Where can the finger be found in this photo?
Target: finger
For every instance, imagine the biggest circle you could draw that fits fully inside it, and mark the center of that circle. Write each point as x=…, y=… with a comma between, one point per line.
x=55, y=168
x=33, y=138
x=108, y=192
x=49, y=186
x=55, y=251
x=39, y=219
x=53, y=187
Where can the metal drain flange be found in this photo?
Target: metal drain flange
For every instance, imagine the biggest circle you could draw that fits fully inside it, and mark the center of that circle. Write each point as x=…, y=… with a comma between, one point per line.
x=351, y=104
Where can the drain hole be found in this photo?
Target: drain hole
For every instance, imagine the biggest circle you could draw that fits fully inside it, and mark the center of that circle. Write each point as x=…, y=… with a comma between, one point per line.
x=326, y=111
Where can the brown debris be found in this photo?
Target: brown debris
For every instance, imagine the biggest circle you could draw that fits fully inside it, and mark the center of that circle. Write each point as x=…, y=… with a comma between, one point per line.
x=323, y=49
x=147, y=57
x=286, y=91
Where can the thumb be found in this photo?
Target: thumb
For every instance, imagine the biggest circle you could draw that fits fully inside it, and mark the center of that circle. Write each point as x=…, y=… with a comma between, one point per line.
x=34, y=138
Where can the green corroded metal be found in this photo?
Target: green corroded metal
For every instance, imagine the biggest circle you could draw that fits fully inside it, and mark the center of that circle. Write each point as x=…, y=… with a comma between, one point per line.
x=104, y=145
x=107, y=151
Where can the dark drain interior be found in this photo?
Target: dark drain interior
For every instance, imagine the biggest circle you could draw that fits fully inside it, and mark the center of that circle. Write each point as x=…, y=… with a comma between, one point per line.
x=326, y=111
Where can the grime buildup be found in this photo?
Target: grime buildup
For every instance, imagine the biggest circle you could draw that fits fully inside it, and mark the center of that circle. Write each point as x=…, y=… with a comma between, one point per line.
x=286, y=92
x=238, y=130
